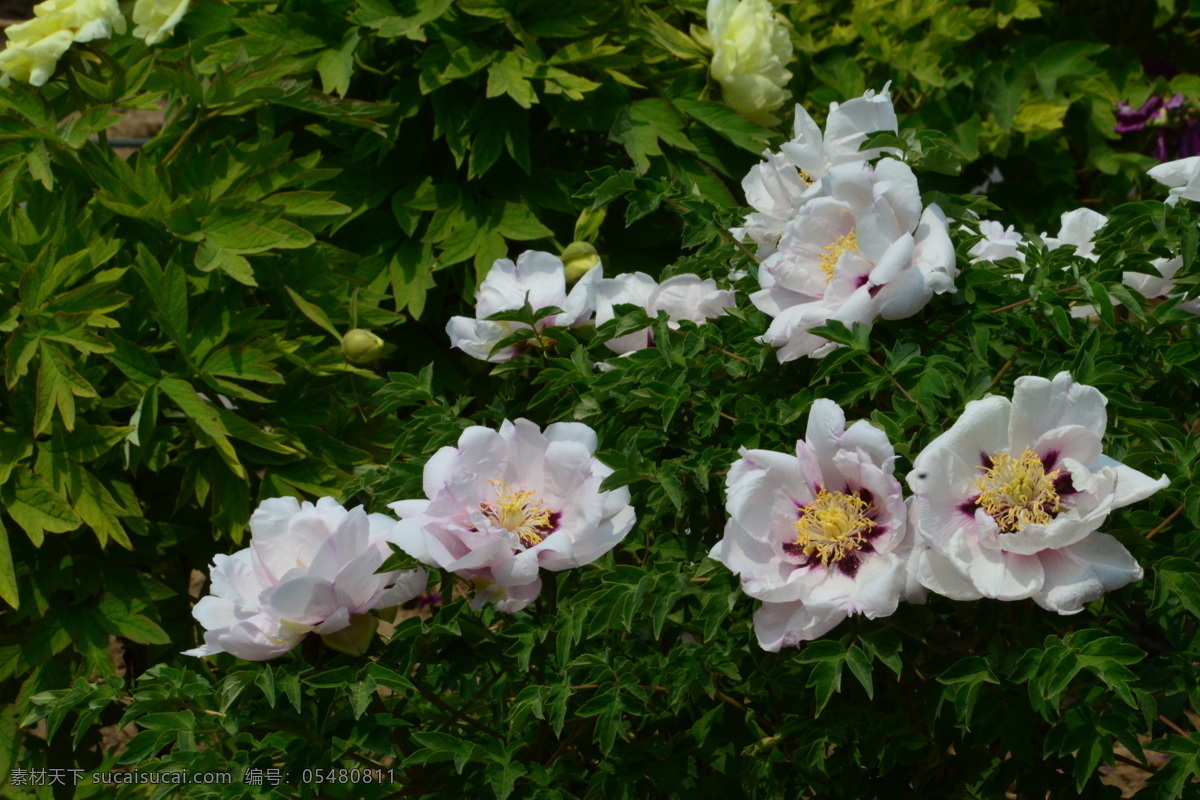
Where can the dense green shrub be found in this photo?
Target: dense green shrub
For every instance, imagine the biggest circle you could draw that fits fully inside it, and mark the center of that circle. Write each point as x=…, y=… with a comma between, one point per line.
x=173, y=355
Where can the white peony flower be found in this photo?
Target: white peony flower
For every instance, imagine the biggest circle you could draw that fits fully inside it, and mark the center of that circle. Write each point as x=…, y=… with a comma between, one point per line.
x=1149, y=286
x=1182, y=176
x=504, y=505
x=751, y=50
x=154, y=20
x=998, y=242
x=1010, y=500
x=309, y=568
x=862, y=249
x=820, y=535
x=1160, y=288
x=538, y=277
x=1079, y=228
x=777, y=187
x=34, y=47
x=683, y=297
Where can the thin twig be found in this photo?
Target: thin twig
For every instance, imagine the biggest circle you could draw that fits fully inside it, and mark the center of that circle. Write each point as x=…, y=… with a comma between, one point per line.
x=185, y=136
x=1000, y=374
x=456, y=714
x=1029, y=300
x=1165, y=522
x=891, y=378
x=1133, y=762
x=1172, y=725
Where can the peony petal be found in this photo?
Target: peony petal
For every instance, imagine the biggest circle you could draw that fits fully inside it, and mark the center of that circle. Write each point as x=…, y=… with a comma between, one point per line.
x=1079, y=574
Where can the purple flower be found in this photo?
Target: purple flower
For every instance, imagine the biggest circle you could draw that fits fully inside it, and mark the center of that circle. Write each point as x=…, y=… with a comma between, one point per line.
x=1177, y=131
x=1129, y=120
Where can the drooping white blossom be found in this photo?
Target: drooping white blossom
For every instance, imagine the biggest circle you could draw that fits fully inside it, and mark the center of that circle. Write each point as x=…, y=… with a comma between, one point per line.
x=683, y=297
x=1010, y=500
x=503, y=505
x=309, y=569
x=751, y=51
x=1162, y=286
x=1079, y=228
x=819, y=535
x=1182, y=177
x=861, y=249
x=1152, y=287
x=998, y=242
x=536, y=277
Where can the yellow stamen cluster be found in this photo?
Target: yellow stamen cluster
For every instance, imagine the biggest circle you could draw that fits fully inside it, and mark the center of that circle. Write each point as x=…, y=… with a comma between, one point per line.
x=804, y=176
x=519, y=511
x=832, y=525
x=1018, y=491
x=834, y=251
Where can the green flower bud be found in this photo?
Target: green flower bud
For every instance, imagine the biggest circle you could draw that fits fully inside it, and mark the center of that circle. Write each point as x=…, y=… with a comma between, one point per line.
x=578, y=258
x=589, y=222
x=361, y=347
x=355, y=639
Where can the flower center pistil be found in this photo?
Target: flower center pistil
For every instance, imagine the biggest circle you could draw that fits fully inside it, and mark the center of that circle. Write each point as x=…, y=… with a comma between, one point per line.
x=831, y=527
x=1018, y=491
x=519, y=511
x=834, y=251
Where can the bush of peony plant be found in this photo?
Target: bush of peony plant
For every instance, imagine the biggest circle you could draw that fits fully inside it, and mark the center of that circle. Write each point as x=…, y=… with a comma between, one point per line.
x=452, y=400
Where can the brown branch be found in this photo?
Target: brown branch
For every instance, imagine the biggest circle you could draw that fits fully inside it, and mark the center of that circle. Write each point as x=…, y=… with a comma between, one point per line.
x=1172, y=725
x=1029, y=300
x=1133, y=762
x=891, y=378
x=1165, y=522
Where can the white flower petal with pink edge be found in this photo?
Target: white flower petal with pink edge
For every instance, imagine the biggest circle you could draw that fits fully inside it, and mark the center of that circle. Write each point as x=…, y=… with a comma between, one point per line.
x=862, y=250
x=503, y=505
x=309, y=568
x=536, y=277
x=819, y=535
x=683, y=297
x=1009, y=501
x=784, y=181
x=1182, y=177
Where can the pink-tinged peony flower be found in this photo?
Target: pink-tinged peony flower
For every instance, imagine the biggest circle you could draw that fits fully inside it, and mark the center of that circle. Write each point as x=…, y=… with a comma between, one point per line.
x=1079, y=228
x=683, y=297
x=1182, y=177
x=537, y=277
x=309, y=568
x=820, y=535
x=860, y=250
x=1010, y=500
x=777, y=187
x=505, y=504
x=998, y=242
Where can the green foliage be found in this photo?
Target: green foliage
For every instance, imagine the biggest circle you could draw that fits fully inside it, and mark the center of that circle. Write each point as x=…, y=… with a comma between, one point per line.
x=173, y=355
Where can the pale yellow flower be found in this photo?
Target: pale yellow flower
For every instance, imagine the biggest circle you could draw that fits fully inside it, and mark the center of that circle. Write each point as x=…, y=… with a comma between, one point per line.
x=155, y=19
x=751, y=50
x=34, y=47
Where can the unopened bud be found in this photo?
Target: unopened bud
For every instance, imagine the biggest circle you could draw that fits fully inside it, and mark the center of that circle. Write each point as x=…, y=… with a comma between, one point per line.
x=579, y=258
x=587, y=226
x=361, y=347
